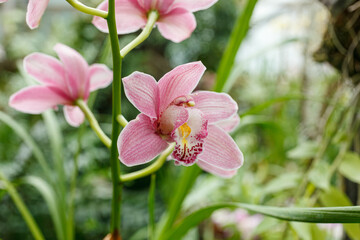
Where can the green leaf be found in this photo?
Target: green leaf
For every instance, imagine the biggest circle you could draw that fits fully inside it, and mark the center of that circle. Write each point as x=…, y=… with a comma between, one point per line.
x=29, y=141
x=24, y=211
x=303, y=151
x=320, y=175
x=283, y=182
x=334, y=197
x=237, y=36
x=350, y=167
x=311, y=215
x=52, y=202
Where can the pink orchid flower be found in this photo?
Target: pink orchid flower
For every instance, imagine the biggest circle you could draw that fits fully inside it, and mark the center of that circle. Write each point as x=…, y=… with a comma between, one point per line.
x=35, y=10
x=61, y=83
x=170, y=112
x=176, y=20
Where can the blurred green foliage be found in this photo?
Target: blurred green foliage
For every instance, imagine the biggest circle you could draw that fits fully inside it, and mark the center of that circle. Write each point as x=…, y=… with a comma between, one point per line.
x=291, y=155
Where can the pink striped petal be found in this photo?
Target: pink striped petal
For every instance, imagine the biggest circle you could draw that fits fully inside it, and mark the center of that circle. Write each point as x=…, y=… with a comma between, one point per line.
x=180, y=81
x=177, y=25
x=215, y=106
x=37, y=99
x=2, y=1
x=73, y=115
x=100, y=76
x=35, y=10
x=77, y=71
x=220, y=150
x=138, y=143
x=229, y=124
x=142, y=91
x=46, y=69
x=216, y=171
x=194, y=6
x=130, y=17
x=162, y=6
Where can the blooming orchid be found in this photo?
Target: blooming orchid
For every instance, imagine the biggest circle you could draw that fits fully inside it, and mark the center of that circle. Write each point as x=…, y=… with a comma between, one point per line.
x=62, y=83
x=176, y=20
x=35, y=10
x=170, y=112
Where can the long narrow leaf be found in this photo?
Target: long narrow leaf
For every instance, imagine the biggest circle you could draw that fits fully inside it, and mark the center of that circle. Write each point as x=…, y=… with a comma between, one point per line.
x=52, y=202
x=237, y=36
x=311, y=215
x=34, y=228
x=29, y=141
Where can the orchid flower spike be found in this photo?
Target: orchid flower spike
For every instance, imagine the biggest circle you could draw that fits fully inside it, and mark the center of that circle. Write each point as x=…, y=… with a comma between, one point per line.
x=35, y=10
x=61, y=83
x=197, y=122
x=176, y=20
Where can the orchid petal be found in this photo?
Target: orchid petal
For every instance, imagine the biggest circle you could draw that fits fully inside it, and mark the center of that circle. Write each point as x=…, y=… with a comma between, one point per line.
x=220, y=150
x=216, y=171
x=215, y=106
x=130, y=17
x=180, y=81
x=73, y=115
x=77, y=71
x=229, y=124
x=37, y=99
x=162, y=6
x=177, y=25
x=138, y=143
x=194, y=6
x=46, y=69
x=142, y=91
x=189, y=138
x=100, y=76
x=35, y=10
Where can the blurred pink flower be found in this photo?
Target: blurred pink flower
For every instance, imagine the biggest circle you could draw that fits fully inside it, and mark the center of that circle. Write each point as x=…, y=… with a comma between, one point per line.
x=62, y=82
x=176, y=19
x=244, y=222
x=35, y=10
x=171, y=113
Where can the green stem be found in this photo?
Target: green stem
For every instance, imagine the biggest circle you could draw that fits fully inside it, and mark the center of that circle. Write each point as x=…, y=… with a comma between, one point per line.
x=122, y=120
x=34, y=228
x=93, y=122
x=151, y=202
x=88, y=10
x=152, y=18
x=150, y=169
x=116, y=110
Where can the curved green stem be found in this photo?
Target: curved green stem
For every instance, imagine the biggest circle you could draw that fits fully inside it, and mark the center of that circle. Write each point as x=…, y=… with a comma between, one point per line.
x=122, y=120
x=88, y=10
x=116, y=110
x=150, y=169
x=34, y=228
x=152, y=18
x=93, y=122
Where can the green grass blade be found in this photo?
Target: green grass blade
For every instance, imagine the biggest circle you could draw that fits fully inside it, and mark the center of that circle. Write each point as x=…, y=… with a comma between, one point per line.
x=29, y=141
x=34, y=228
x=237, y=36
x=311, y=215
x=51, y=200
